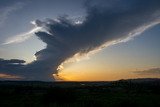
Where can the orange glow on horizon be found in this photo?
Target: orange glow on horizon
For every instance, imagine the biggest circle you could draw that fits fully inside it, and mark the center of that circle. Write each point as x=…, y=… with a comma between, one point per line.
x=91, y=75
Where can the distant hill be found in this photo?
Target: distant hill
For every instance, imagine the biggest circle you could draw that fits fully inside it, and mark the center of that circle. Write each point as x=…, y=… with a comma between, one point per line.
x=79, y=83
x=123, y=93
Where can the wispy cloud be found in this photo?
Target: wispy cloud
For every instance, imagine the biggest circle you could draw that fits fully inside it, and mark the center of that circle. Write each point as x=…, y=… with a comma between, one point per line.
x=151, y=71
x=26, y=35
x=6, y=11
x=21, y=37
x=7, y=76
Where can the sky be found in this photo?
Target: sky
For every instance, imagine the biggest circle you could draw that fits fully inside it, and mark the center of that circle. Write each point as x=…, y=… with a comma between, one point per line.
x=79, y=40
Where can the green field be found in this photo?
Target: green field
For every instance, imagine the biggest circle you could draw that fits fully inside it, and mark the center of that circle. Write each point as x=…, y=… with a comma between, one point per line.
x=124, y=93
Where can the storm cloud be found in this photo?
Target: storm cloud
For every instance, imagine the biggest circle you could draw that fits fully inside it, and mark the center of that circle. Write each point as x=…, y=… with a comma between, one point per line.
x=114, y=22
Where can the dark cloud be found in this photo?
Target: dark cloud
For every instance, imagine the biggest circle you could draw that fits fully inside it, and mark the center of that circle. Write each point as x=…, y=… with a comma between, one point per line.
x=115, y=22
x=11, y=61
x=10, y=65
x=152, y=71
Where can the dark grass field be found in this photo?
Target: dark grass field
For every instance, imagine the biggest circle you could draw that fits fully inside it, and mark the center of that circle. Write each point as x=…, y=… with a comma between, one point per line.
x=123, y=93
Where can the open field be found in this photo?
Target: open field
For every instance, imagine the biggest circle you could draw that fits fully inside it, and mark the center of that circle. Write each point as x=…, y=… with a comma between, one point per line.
x=123, y=93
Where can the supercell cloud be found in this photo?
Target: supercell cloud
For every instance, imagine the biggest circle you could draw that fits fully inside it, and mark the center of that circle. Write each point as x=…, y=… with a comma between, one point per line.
x=104, y=25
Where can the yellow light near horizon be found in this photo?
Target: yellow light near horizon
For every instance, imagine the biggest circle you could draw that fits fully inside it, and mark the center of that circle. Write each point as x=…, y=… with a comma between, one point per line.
x=103, y=69
x=98, y=75
x=88, y=75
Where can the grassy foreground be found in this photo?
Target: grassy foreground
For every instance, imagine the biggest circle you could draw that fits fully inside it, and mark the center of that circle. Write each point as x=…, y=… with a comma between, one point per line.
x=123, y=93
